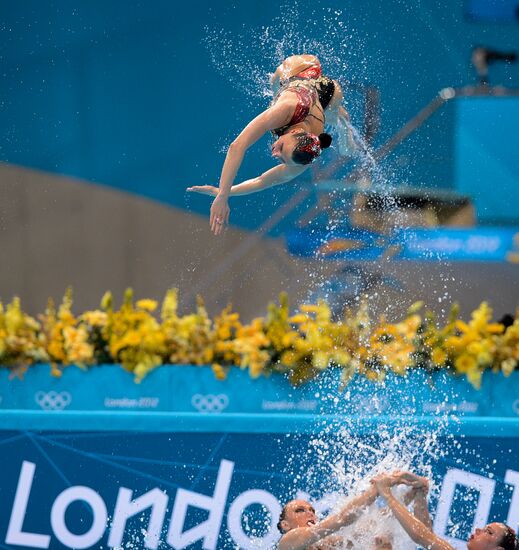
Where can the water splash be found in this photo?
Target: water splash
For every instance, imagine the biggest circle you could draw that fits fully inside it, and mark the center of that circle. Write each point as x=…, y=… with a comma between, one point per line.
x=351, y=448
x=340, y=460
x=236, y=58
x=348, y=461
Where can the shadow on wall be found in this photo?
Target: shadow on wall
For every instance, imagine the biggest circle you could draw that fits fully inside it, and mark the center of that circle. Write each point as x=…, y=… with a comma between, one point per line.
x=56, y=231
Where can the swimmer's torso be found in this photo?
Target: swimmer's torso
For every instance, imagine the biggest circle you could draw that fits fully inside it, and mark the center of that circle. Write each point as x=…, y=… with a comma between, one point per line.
x=307, y=112
x=301, y=83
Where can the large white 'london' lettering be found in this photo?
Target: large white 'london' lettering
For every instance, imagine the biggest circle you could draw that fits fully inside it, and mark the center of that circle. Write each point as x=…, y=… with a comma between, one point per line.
x=454, y=477
x=126, y=508
x=512, y=477
x=255, y=496
x=15, y=534
x=208, y=529
x=59, y=509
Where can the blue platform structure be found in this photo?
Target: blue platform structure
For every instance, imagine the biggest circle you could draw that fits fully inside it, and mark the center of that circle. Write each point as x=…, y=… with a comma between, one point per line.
x=208, y=463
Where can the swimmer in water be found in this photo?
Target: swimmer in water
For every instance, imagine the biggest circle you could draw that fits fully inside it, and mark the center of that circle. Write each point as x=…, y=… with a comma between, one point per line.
x=494, y=536
x=304, y=101
x=301, y=530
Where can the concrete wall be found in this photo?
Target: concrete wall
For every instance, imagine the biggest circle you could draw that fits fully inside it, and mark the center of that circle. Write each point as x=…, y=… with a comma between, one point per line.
x=56, y=231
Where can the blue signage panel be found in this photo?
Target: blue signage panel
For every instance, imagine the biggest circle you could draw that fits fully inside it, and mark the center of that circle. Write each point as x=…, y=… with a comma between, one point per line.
x=194, y=389
x=493, y=244
x=222, y=488
x=496, y=11
x=486, y=166
x=482, y=244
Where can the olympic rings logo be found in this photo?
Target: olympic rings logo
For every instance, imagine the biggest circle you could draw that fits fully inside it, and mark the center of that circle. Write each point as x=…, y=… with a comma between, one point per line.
x=210, y=403
x=52, y=400
x=515, y=406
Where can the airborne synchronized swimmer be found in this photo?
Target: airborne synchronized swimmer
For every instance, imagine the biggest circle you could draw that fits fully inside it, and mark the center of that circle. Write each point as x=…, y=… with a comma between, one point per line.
x=304, y=101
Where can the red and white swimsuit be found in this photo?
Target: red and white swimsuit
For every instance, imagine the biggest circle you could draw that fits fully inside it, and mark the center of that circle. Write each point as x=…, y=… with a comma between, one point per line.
x=306, y=96
x=307, y=86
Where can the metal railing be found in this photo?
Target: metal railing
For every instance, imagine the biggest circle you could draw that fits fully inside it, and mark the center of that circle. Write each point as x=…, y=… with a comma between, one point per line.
x=370, y=129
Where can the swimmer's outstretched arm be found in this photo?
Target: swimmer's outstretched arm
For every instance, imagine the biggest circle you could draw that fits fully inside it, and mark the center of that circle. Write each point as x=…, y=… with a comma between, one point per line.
x=274, y=117
x=418, y=531
x=302, y=537
x=275, y=176
x=418, y=496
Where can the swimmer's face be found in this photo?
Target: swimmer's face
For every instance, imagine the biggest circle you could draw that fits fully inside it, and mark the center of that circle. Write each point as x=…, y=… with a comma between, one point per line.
x=299, y=513
x=487, y=538
x=283, y=148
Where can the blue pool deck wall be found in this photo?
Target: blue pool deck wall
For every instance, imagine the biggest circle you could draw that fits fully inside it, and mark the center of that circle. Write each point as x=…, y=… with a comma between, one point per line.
x=194, y=389
x=242, y=461
x=238, y=463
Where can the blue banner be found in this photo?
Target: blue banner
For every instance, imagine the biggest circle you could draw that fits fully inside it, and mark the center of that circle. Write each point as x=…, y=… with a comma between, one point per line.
x=478, y=244
x=434, y=244
x=194, y=389
x=182, y=460
x=146, y=484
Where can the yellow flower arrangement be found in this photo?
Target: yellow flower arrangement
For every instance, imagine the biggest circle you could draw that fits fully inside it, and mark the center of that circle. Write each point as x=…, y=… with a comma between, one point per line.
x=135, y=338
x=301, y=345
x=65, y=339
x=309, y=341
x=473, y=346
x=507, y=349
x=225, y=327
x=21, y=342
x=189, y=338
x=392, y=346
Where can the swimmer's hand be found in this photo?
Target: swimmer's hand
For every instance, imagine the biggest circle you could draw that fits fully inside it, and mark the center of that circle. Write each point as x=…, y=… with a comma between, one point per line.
x=384, y=482
x=383, y=488
x=219, y=209
x=413, y=480
x=219, y=214
x=204, y=190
